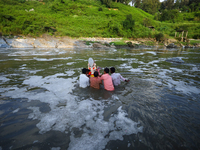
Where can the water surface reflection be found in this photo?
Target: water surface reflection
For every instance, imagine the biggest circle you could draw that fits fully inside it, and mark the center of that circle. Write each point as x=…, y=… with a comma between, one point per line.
x=42, y=106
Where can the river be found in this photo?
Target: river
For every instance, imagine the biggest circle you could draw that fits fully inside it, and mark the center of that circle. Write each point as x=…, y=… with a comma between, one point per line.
x=42, y=106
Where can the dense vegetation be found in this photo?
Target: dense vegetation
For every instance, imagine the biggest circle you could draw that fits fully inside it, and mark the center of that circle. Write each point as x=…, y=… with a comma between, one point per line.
x=91, y=18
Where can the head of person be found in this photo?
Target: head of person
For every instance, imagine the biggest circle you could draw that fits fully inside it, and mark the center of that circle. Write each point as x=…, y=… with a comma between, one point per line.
x=87, y=71
x=112, y=70
x=96, y=74
x=106, y=70
x=84, y=70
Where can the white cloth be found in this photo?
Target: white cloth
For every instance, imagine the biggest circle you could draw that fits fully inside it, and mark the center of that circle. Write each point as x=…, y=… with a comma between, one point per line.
x=116, y=78
x=84, y=81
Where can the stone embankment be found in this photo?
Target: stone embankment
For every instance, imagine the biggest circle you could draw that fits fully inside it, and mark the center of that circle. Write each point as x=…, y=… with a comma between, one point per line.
x=47, y=41
x=55, y=42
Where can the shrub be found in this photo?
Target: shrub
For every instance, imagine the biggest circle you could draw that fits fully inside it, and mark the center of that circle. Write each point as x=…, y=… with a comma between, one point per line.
x=100, y=9
x=196, y=36
x=107, y=3
x=129, y=22
x=159, y=37
x=147, y=22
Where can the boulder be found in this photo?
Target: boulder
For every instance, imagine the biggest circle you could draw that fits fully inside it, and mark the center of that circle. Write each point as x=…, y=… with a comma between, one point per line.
x=188, y=46
x=65, y=43
x=130, y=44
x=81, y=45
x=106, y=44
x=19, y=43
x=172, y=45
x=98, y=45
x=45, y=43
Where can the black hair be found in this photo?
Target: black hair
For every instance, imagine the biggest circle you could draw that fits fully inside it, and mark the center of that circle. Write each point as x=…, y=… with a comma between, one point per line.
x=106, y=70
x=112, y=69
x=87, y=70
x=96, y=74
x=84, y=70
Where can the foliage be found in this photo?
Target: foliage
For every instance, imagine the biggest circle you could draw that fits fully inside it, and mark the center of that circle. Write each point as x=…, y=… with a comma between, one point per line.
x=150, y=6
x=88, y=18
x=169, y=15
x=129, y=22
x=107, y=3
x=147, y=22
x=194, y=42
x=118, y=43
x=100, y=9
x=159, y=37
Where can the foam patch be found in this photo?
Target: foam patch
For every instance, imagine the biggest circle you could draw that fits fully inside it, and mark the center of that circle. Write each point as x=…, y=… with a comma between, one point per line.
x=85, y=115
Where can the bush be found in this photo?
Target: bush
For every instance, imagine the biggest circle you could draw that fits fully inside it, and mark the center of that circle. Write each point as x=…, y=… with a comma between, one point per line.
x=147, y=22
x=196, y=36
x=115, y=28
x=107, y=3
x=159, y=37
x=100, y=9
x=129, y=22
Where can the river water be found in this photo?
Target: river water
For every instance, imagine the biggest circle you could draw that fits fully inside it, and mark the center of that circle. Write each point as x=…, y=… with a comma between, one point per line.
x=42, y=106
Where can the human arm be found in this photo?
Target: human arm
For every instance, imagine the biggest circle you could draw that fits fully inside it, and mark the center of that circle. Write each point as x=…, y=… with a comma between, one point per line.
x=122, y=78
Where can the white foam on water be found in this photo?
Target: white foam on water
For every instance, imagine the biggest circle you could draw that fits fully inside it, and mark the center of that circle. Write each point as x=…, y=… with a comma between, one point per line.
x=37, y=52
x=177, y=70
x=16, y=110
x=22, y=59
x=184, y=87
x=152, y=62
x=85, y=115
x=98, y=132
x=56, y=89
x=55, y=148
x=129, y=144
x=51, y=59
x=36, y=141
x=124, y=65
x=69, y=72
x=120, y=59
x=180, y=86
x=136, y=70
x=196, y=68
x=3, y=79
x=140, y=62
x=151, y=52
x=70, y=63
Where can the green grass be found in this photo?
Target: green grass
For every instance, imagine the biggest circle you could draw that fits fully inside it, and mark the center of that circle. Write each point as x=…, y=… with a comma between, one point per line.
x=118, y=43
x=82, y=18
x=194, y=42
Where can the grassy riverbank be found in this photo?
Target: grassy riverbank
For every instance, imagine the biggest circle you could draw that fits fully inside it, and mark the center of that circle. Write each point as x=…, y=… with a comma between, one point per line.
x=84, y=18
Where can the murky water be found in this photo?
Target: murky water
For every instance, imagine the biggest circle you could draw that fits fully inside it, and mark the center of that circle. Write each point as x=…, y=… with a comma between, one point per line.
x=42, y=106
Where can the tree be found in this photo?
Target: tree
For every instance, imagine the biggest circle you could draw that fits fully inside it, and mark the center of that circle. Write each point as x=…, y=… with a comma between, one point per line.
x=107, y=3
x=123, y=1
x=137, y=3
x=129, y=22
x=150, y=6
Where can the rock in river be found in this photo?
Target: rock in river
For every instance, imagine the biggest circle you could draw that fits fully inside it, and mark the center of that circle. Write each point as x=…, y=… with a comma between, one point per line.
x=172, y=45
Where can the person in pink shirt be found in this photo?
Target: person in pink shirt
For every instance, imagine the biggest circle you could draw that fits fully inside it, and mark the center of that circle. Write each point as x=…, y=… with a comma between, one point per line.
x=107, y=79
